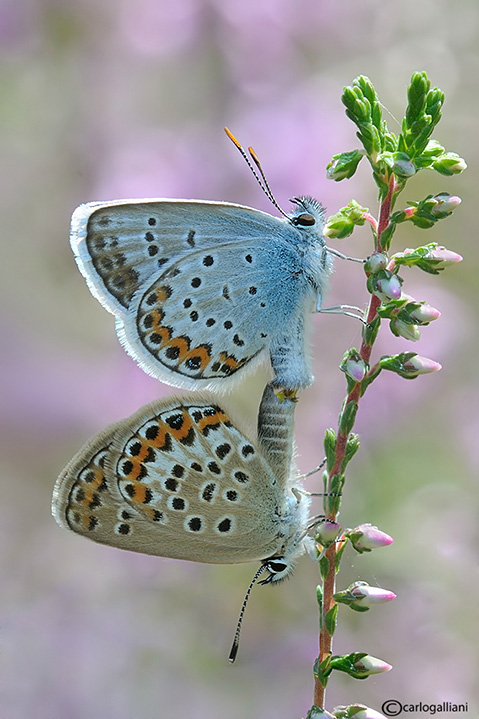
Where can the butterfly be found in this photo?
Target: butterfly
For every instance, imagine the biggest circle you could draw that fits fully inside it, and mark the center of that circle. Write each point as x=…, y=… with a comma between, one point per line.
x=180, y=479
x=203, y=291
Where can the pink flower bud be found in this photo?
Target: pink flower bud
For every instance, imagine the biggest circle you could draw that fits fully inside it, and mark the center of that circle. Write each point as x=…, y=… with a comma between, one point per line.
x=445, y=203
x=404, y=329
x=420, y=365
x=447, y=257
x=424, y=314
x=388, y=288
x=371, y=665
x=366, y=537
x=369, y=596
x=356, y=369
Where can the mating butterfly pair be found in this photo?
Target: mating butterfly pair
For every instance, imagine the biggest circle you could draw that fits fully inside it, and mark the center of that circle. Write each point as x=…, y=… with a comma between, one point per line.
x=201, y=292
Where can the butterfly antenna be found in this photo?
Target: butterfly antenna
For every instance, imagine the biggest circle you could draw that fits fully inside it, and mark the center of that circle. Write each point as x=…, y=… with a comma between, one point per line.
x=235, y=646
x=262, y=181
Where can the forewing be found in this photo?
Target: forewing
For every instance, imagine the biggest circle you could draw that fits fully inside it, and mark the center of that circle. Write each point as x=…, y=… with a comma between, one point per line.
x=214, y=311
x=121, y=245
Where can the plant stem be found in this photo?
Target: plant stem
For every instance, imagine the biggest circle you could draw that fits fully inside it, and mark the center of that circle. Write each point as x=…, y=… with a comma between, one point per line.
x=329, y=584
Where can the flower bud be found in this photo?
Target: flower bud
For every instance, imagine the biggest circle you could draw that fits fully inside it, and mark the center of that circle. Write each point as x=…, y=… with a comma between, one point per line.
x=369, y=596
x=376, y=262
x=365, y=537
x=326, y=533
x=403, y=165
x=354, y=365
x=417, y=365
x=342, y=223
x=446, y=257
x=445, y=203
x=424, y=314
x=408, y=364
x=370, y=665
x=338, y=227
x=360, y=597
x=449, y=164
x=387, y=287
x=405, y=329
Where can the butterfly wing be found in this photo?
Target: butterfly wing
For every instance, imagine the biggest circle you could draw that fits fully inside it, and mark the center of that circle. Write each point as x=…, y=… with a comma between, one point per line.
x=214, y=312
x=120, y=245
x=87, y=501
x=177, y=479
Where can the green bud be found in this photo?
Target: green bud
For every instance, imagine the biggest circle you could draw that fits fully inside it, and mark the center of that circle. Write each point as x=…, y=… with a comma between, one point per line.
x=403, y=166
x=342, y=223
x=409, y=331
x=449, y=164
x=376, y=262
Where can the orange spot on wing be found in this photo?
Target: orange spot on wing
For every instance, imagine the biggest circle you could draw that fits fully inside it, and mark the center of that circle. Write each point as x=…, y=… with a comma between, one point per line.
x=99, y=476
x=181, y=343
x=160, y=440
x=140, y=493
x=163, y=332
x=157, y=316
x=136, y=466
x=231, y=361
x=202, y=353
x=182, y=431
x=162, y=293
x=216, y=418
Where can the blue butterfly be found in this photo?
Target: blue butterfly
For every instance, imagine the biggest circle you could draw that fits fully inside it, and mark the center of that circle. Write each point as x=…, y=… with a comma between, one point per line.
x=204, y=291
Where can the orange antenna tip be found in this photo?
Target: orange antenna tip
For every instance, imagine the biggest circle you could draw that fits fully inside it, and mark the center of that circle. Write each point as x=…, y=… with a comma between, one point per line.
x=253, y=155
x=233, y=138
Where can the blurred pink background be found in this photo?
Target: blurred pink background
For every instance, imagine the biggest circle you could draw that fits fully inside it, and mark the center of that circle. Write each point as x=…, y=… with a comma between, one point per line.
x=104, y=100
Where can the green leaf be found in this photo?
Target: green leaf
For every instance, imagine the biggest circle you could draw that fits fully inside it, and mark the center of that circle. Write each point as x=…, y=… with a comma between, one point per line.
x=324, y=567
x=330, y=619
x=352, y=447
x=344, y=165
x=330, y=448
x=347, y=417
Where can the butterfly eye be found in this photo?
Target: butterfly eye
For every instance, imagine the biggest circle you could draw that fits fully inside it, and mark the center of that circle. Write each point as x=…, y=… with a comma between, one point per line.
x=276, y=567
x=305, y=220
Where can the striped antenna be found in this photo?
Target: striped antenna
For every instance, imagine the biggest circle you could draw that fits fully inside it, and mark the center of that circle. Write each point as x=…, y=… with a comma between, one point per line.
x=262, y=181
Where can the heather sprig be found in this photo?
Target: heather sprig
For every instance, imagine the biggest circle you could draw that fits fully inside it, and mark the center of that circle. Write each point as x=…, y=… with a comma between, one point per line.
x=394, y=159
